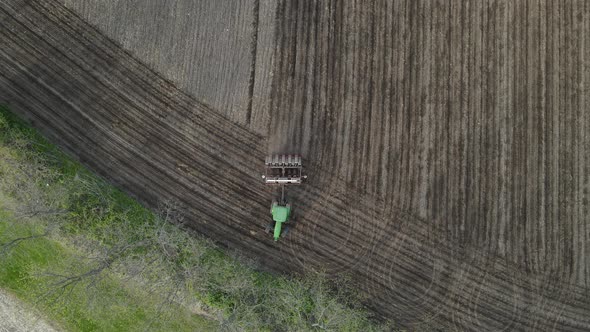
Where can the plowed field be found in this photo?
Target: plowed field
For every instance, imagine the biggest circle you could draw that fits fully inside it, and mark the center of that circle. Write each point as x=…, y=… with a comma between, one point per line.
x=446, y=143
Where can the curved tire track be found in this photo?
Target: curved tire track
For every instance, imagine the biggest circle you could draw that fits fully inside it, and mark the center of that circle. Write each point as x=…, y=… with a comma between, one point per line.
x=137, y=129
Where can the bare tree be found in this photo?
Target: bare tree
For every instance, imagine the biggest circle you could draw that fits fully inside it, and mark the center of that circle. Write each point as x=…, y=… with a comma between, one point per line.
x=6, y=247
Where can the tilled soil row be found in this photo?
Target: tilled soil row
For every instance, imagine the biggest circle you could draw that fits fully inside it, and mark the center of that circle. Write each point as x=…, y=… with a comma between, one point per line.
x=432, y=109
x=470, y=115
x=136, y=129
x=466, y=121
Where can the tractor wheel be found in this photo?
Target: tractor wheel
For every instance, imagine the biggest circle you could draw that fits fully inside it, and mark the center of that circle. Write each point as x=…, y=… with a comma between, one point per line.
x=286, y=231
x=273, y=205
x=269, y=228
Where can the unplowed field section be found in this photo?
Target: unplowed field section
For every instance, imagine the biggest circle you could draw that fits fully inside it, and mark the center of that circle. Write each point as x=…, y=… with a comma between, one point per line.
x=446, y=142
x=195, y=44
x=219, y=51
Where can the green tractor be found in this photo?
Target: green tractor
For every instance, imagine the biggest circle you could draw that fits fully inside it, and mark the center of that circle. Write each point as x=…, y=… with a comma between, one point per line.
x=280, y=215
x=282, y=170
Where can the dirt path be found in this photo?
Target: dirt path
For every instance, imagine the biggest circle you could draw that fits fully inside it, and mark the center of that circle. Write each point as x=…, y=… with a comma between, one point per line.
x=17, y=317
x=449, y=208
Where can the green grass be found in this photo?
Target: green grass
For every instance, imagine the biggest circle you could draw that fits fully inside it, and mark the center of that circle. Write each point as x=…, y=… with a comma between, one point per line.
x=100, y=224
x=117, y=308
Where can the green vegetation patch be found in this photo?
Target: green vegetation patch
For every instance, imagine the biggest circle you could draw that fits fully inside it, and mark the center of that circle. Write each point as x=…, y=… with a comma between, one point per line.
x=94, y=259
x=31, y=270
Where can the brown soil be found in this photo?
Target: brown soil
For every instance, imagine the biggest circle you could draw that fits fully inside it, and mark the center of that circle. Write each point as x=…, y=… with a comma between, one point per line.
x=446, y=144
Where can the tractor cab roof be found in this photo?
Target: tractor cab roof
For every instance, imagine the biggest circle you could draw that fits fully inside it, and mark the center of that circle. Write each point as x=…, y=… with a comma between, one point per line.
x=280, y=213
